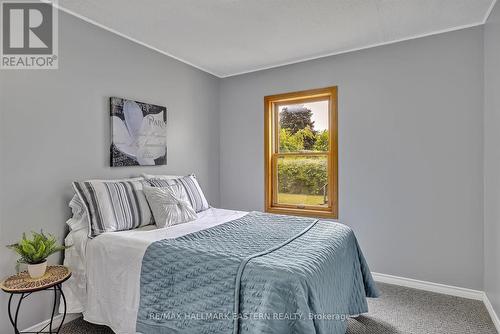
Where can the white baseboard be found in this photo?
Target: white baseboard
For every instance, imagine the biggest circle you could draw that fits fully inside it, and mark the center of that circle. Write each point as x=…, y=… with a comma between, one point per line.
x=429, y=286
x=443, y=289
x=57, y=319
x=491, y=311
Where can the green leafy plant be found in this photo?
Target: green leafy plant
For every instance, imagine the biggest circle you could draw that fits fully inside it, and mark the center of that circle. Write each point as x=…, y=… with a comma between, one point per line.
x=302, y=175
x=37, y=249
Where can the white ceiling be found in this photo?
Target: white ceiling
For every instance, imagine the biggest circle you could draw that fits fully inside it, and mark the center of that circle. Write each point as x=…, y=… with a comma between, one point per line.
x=228, y=37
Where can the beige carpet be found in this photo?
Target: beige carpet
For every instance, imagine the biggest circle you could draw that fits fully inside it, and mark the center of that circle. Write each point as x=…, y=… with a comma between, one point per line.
x=398, y=310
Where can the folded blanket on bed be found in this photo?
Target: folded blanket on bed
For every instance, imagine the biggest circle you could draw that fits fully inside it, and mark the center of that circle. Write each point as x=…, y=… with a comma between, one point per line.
x=261, y=273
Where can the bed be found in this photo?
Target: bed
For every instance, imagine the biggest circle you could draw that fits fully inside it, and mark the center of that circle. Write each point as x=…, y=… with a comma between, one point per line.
x=173, y=280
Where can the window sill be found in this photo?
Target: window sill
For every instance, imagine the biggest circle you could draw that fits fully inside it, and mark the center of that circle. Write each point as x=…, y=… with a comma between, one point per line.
x=302, y=212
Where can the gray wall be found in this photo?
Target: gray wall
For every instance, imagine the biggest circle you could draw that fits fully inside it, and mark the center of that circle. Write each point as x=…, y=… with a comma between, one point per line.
x=492, y=158
x=410, y=150
x=410, y=143
x=55, y=129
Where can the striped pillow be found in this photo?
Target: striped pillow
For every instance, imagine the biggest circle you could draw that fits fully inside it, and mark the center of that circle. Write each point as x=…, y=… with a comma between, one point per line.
x=163, y=177
x=113, y=205
x=191, y=186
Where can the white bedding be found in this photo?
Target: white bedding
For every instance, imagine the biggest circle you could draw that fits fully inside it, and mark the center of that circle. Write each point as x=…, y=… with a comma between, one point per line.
x=106, y=270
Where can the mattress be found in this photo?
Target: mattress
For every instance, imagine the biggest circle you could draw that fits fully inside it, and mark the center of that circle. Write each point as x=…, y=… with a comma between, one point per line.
x=259, y=274
x=105, y=286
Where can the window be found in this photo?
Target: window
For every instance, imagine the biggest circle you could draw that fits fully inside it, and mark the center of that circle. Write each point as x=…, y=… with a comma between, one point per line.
x=301, y=153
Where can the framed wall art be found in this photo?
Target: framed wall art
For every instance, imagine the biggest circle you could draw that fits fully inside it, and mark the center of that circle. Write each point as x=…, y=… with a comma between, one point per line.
x=138, y=133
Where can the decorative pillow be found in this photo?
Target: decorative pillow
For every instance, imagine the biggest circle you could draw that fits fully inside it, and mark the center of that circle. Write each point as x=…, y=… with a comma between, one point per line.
x=191, y=186
x=114, y=205
x=170, y=205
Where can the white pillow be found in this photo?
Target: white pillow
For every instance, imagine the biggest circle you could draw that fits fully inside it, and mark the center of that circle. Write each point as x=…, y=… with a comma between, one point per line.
x=77, y=207
x=170, y=205
x=79, y=220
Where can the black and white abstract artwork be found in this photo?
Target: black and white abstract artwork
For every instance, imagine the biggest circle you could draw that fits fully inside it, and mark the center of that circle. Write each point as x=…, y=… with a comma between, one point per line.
x=139, y=133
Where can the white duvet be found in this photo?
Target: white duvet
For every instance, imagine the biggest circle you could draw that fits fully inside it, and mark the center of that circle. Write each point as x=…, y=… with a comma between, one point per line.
x=106, y=270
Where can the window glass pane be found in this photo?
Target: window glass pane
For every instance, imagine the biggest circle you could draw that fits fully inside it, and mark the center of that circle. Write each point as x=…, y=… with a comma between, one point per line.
x=303, y=127
x=302, y=180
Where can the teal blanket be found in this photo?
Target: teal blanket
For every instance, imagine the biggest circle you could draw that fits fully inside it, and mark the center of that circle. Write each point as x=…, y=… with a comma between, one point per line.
x=259, y=274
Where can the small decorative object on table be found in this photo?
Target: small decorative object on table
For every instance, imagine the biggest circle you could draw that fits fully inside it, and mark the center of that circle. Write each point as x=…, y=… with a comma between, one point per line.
x=25, y=285
x=35, y=251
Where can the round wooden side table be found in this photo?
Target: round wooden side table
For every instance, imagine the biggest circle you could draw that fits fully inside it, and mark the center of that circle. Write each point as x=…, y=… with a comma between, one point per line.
x=24, y=285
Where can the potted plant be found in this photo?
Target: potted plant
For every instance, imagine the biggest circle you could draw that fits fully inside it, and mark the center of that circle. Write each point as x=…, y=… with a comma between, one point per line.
x=34, y=252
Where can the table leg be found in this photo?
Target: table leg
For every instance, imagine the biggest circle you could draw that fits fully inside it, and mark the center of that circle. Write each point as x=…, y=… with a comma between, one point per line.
x=13, y=320
x=13, y=317
x=8, y=309
x=53, y=310
x=59, y=287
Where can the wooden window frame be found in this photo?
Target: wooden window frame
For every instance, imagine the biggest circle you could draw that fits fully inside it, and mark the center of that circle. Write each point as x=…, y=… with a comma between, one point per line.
x=271, y=152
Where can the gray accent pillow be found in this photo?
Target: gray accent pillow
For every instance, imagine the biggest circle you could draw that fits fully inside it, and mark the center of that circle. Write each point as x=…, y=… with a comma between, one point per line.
x=170, y=205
